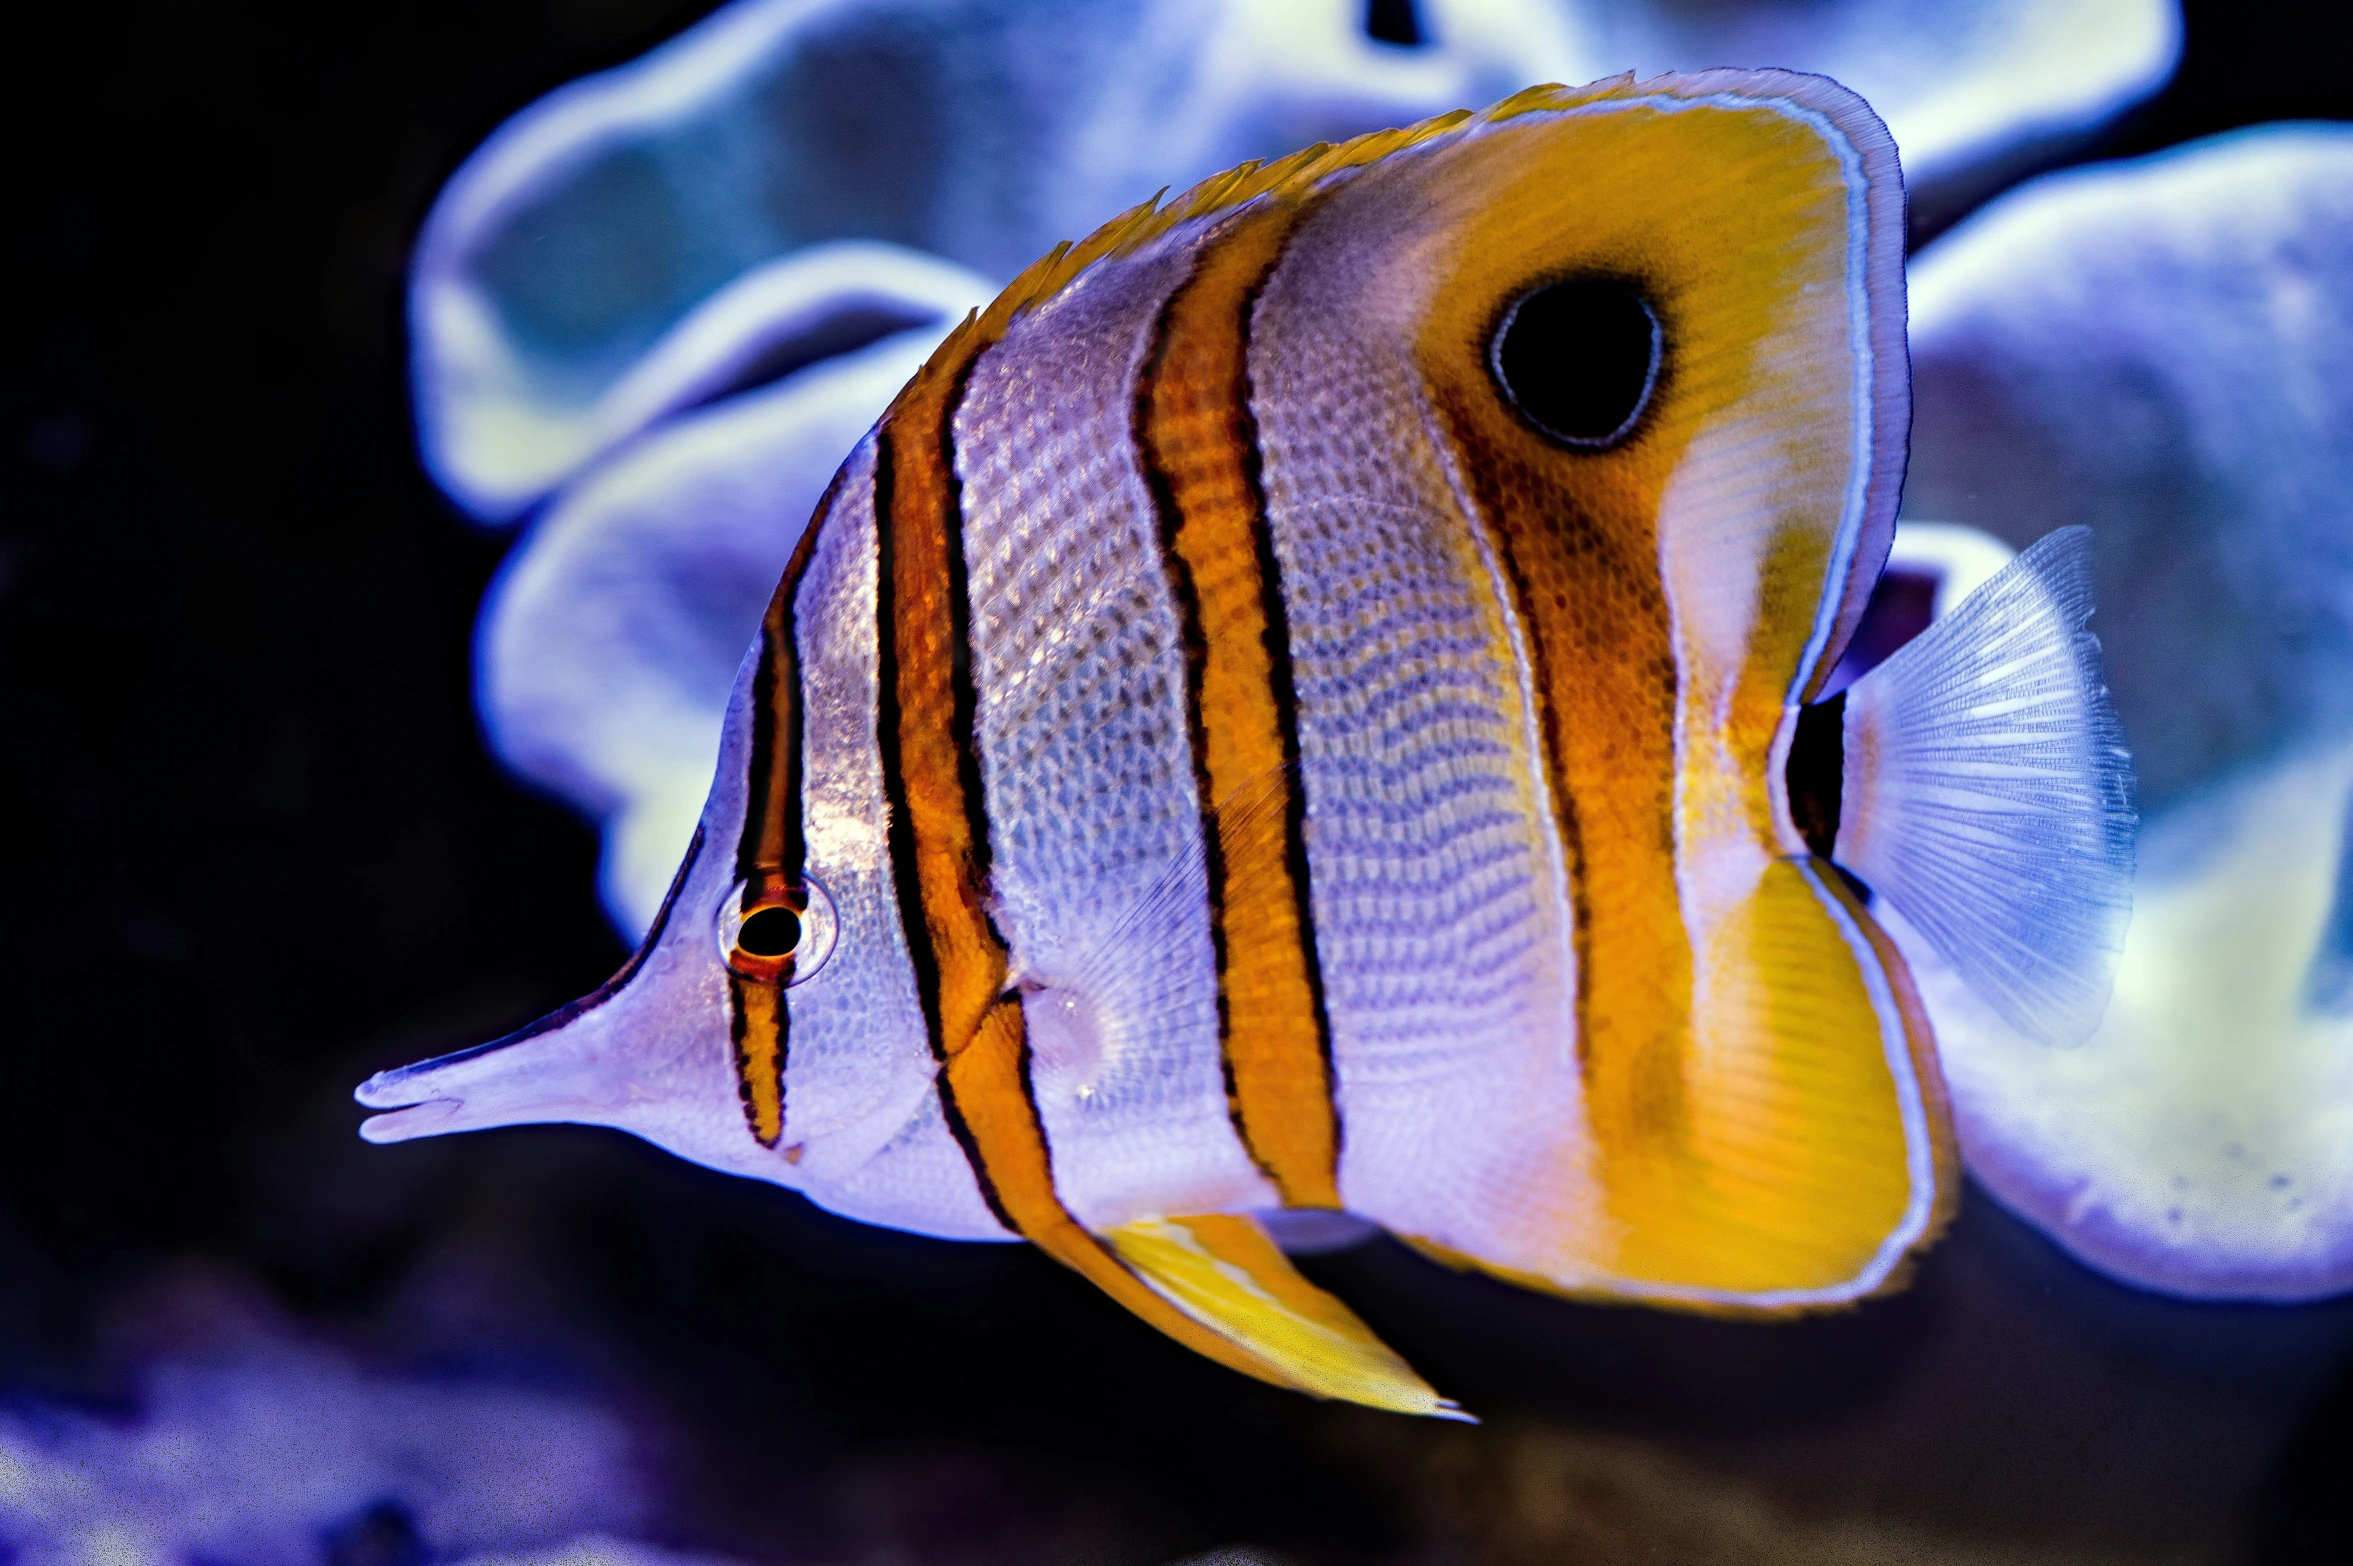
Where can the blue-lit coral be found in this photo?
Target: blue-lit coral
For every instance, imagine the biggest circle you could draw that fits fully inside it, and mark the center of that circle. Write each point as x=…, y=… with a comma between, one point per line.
x=614, y=634
x=2164, y=350
x=596, y=1550
x=791, y=174
x=283, y=1453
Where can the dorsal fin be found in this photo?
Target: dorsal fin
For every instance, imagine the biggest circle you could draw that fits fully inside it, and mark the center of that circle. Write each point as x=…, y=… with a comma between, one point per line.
x=1288, y=178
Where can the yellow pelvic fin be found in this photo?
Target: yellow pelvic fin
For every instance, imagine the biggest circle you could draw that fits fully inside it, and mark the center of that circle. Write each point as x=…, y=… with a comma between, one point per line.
x=1225, y=1273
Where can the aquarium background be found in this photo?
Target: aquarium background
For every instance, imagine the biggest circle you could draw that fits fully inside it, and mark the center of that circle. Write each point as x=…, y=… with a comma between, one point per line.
x=257, y=849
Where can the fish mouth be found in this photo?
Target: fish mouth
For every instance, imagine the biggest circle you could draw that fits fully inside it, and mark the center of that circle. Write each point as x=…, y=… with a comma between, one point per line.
x=543, y=1074
x=412, y=1108
x=454, y=1092
x=552, y=1071
x=407, y=1116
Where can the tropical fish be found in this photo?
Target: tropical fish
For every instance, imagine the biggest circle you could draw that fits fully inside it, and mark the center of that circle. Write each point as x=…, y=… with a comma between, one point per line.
x=1313, y=701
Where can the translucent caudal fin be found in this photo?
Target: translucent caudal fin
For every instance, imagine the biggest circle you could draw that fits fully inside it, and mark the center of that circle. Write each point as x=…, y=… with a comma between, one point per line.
x=1987, y=793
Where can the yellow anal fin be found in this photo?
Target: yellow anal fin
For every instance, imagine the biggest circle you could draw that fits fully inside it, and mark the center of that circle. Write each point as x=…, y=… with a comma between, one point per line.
x=1808, y=1153
x=1225, y=1273
x=1802, y=1153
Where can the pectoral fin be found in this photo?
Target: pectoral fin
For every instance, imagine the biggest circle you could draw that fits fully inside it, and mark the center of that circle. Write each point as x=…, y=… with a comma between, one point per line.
x=1225, y=1274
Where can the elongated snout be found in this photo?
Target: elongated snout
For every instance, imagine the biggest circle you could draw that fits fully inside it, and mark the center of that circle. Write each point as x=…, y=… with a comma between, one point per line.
x=648, y=1052
x=552, y=1071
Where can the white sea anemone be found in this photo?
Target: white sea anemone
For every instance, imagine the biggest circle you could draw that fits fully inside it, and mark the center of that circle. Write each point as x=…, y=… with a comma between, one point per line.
x=2164, y=350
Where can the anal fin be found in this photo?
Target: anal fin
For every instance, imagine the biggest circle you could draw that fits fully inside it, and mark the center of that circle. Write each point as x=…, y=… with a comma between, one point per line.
x=1224, y=1273
x=1794, y=1150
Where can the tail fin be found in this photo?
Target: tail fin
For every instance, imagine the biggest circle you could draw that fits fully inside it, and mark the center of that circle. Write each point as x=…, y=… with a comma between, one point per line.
x=1987, y=793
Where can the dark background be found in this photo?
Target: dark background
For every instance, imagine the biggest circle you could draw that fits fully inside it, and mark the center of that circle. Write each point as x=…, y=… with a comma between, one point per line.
x=254, y=850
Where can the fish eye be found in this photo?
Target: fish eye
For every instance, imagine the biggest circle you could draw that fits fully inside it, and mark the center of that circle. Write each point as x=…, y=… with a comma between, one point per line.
x=776, y=931
x=768, y=932
x=1578, y=359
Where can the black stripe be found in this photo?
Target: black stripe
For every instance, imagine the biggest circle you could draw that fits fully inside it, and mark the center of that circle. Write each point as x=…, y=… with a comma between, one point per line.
x=770, y=795
x=759, y=796
x=762, y=801
x=1285, y=696
x=906, y=880
x=1196, y=643
x=964, y=690
x=1556, y=774
x=1564, y=798
x=899, y=836
x=779, y=631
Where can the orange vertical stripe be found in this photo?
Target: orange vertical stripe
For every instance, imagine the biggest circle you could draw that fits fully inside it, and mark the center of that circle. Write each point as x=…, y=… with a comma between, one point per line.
x=1199, y=449
x=939, y=849
x=759, y=1034
x=771, y=847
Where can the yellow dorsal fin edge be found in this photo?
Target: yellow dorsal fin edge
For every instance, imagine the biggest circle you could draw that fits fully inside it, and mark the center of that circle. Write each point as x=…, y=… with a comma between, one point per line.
x=1286, y=179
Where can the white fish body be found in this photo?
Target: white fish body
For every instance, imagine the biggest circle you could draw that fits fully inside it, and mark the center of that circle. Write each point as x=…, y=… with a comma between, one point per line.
x=1303, y=705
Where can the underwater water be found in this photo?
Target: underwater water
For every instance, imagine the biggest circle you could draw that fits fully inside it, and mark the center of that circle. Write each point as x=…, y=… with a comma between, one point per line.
x=261, y=848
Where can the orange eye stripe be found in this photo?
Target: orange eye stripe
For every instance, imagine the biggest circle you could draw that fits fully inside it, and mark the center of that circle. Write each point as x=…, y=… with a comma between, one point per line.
x=771, y=847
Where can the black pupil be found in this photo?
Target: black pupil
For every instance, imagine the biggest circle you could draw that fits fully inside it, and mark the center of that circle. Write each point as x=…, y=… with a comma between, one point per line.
x=769, y=932
x=1578, y=358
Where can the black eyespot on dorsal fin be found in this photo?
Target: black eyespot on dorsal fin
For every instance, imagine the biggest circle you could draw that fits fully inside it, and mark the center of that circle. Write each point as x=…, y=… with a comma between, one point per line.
x=1579, y=359
x=1396, y=22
